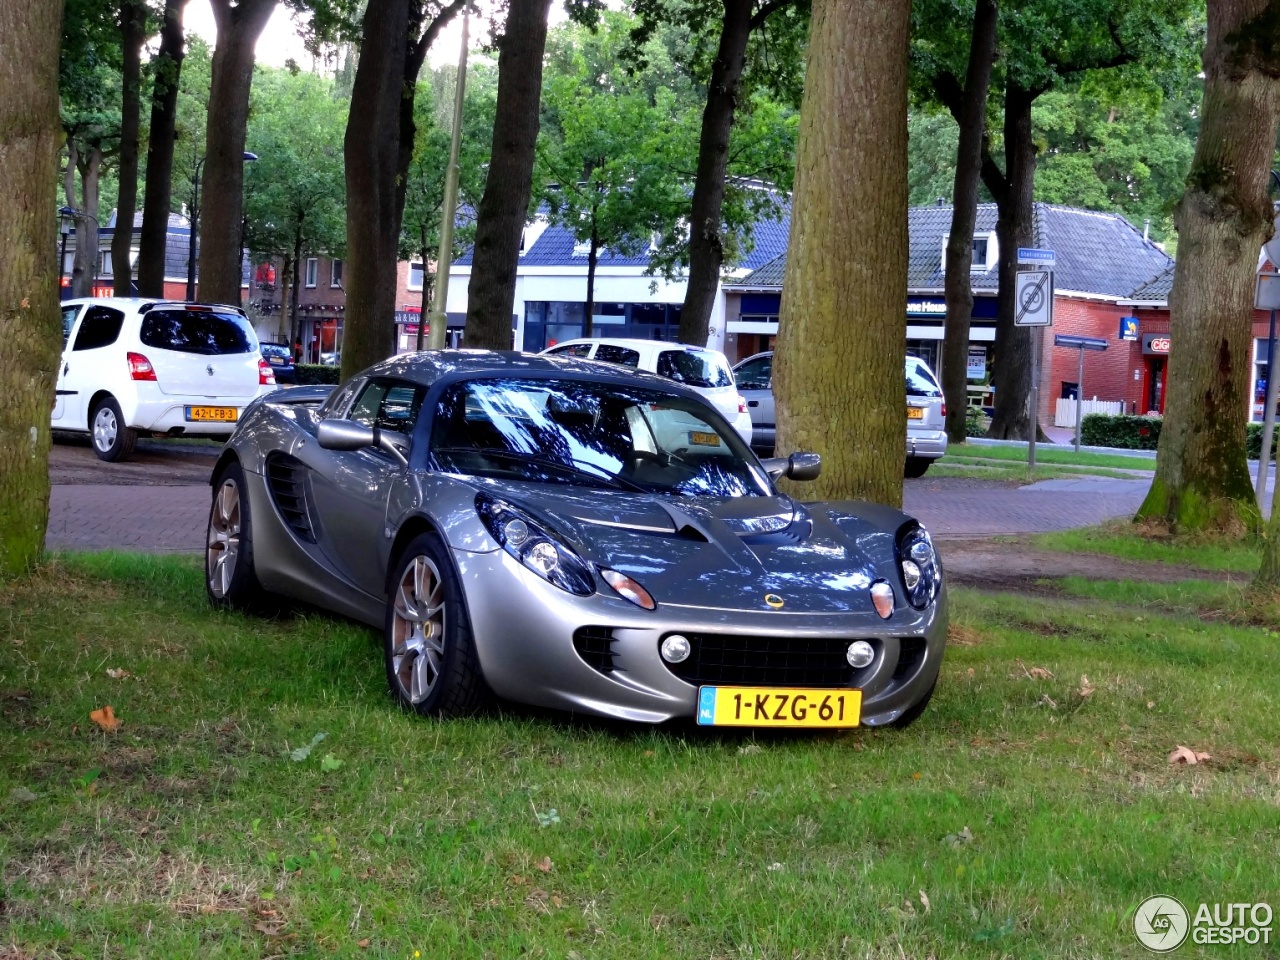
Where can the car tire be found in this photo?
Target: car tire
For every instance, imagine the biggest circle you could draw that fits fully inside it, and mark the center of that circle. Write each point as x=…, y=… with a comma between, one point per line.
x=916, y=467
x=430, y=653
x=229, y=577
x=912, y=713
x=112, y=440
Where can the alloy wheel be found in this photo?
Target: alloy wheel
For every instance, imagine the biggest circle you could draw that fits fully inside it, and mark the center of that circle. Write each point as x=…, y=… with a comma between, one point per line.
x=223, y=548
x=105, y=428
x=417, y=637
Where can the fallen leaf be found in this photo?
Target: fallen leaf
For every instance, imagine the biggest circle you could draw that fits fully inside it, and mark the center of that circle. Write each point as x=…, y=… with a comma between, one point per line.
x=1034, y=673
x=556, y=901
x=300, y=754
x=1151, y=704
x=544, y=864
x=330, y=763
x=1188, y=756
x=105, y=718
x=1086, y=687
x=649, y=753
x=22, y=795
x=747, y=749
x=916, y=775
x=774, y=867
x=363, y=944
x=116, y=674
x=970, y=672
x=269, y=927
x=958, y=839
x=1047, y=701
x=516, y=880
x=924, y=901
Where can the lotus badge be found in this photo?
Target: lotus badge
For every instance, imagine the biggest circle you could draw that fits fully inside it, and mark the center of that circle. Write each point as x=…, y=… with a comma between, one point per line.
x=774, y=601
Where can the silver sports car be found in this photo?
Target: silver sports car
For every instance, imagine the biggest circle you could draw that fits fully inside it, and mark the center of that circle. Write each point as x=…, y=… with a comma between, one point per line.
x=568, y=534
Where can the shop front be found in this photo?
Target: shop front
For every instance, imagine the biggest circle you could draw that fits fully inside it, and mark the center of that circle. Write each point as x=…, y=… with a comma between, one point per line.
x=1155, y=372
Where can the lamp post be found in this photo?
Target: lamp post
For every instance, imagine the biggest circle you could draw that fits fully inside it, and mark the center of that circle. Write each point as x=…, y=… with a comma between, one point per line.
x=62, y=253
x=195, y=223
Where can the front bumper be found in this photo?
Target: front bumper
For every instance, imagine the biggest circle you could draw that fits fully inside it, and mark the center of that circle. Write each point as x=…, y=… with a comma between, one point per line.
x=524, y=635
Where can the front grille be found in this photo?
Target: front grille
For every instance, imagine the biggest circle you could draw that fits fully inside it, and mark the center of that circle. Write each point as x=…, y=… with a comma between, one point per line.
x=287, y=481
x=910, y=656
x=595, y=647
x=720, y=659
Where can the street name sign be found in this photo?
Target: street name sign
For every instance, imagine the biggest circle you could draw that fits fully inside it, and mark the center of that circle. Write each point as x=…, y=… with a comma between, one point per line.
x=1036, y=258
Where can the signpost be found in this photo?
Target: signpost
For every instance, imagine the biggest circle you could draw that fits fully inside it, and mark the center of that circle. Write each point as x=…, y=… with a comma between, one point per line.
x=1082, y=344
x=1033, y=307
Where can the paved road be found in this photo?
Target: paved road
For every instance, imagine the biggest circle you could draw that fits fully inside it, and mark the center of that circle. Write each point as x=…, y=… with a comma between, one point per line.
x=160, y=500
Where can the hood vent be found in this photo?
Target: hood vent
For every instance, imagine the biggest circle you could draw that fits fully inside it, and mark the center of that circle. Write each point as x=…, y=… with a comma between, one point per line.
x=287, y=480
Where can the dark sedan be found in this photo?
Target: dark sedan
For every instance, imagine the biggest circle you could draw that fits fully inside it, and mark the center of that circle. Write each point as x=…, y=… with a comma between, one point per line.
x=281, y=359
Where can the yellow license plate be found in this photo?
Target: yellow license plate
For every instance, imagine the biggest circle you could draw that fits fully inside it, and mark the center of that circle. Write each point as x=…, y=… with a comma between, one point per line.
x=700, y=439
x=778, y=707
x=219, y=414
x=915, y=413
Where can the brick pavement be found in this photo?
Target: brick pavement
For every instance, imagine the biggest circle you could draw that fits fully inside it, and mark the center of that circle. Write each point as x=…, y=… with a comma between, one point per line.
x=167, y=519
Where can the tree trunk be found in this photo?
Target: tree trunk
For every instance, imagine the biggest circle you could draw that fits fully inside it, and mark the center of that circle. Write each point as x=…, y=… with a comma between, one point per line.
x=133, y=29
x=371, y=150
x=159, y=187
x=593, y=258
x=286, y=279
x=415, y=56
x=69, y=195
x=964, y=217
x=297, y=284
x=424, y=316
x=30, y=137
x=838, y=385
x=1014, y=196
x=500, y=220
x=706, y=244
x=239, y=27
x=1202, y=476
x=85, y=266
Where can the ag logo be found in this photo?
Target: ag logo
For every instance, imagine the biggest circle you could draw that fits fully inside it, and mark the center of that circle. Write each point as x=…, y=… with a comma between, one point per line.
x=774, y=601
x=1161, y=924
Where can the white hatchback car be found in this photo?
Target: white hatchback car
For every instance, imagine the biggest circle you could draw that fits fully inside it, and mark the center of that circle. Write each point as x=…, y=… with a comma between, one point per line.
x=136, y=366
x=706, y=370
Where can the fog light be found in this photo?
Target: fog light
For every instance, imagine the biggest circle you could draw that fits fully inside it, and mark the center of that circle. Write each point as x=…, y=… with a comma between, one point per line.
x=860, y=653
x=676, y=649
x=882, y=599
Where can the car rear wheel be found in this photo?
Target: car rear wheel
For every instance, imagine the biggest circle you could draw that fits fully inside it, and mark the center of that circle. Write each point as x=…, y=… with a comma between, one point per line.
x=112, y=440
x=229, y=576
x=431, y=661
x=916, y=467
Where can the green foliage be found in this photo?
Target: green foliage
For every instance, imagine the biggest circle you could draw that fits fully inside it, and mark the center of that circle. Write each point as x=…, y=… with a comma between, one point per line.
x=1125, y=431
x=314, y=373
x=192, y=110
x=1253, y=441
x=932, y=141
x=295, y=191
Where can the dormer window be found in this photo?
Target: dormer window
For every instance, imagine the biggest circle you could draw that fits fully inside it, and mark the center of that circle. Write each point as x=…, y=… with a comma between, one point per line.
x=582, y=248
x=529, y=236
x=986, y=252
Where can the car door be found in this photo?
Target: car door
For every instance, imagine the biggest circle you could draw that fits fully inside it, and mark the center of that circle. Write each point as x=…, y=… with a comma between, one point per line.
x=924, y=398
x=90, y=362
x=70, y=314
x=352, y=488
x=754, y=377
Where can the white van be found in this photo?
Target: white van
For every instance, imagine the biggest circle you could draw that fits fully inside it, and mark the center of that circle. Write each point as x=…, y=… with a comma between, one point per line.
x=706, y=370
x=136, y=366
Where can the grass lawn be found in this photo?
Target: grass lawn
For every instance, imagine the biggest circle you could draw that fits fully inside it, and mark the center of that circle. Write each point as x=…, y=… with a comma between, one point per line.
x=1123, y=539
x=1052, y=453
x=965, y=466
x=1026, y=814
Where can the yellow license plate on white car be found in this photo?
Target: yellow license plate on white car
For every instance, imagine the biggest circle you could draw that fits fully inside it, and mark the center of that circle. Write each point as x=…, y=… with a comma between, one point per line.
x=915, y=413
x=212, y=414
x=778, y=707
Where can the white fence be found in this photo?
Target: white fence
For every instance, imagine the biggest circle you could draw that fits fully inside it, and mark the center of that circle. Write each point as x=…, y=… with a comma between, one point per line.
x=1065, y=414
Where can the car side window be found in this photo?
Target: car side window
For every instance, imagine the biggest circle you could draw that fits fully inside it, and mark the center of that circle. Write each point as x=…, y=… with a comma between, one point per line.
x=612, y=353
x=69, y=315
x=388, y=405
x=99, y=328
x=572, y=350
x=755, y=374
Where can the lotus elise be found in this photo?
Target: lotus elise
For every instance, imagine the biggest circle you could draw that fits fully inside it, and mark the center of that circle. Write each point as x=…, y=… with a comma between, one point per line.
x=572, y=535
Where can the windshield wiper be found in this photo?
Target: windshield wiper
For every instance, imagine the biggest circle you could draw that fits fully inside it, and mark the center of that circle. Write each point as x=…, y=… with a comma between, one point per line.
x=580, y=468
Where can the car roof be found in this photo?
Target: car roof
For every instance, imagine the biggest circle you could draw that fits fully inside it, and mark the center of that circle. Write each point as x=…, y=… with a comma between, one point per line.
x=769, y=353
x=135, y=302
x=429, y=366
x=635, y=343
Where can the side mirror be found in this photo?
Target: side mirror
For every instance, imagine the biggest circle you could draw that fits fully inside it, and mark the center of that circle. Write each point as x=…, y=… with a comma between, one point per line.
x=345, y=435
x=350, y=435
x=798, y=466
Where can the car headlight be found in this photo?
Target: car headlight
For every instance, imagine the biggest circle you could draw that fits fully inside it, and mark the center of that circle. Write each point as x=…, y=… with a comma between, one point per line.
x=534, y=547
x=921, y=571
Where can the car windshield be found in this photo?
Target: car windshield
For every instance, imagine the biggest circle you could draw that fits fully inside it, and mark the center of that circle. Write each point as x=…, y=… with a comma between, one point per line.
x=206, y=333
x=590, y=434
x=696, y=368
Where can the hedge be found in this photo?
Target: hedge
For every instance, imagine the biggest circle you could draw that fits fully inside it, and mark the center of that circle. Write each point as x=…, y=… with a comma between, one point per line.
x=308, y=373
x=1125, y=431
x=1253, y=441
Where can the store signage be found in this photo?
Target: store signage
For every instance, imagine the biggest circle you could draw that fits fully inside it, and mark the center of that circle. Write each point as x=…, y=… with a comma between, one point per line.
x=977, y=367
x=1155, y=343
x=1128, y=328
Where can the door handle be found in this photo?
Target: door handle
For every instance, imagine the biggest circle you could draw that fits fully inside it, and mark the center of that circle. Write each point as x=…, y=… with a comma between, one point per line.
x=753, y=403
